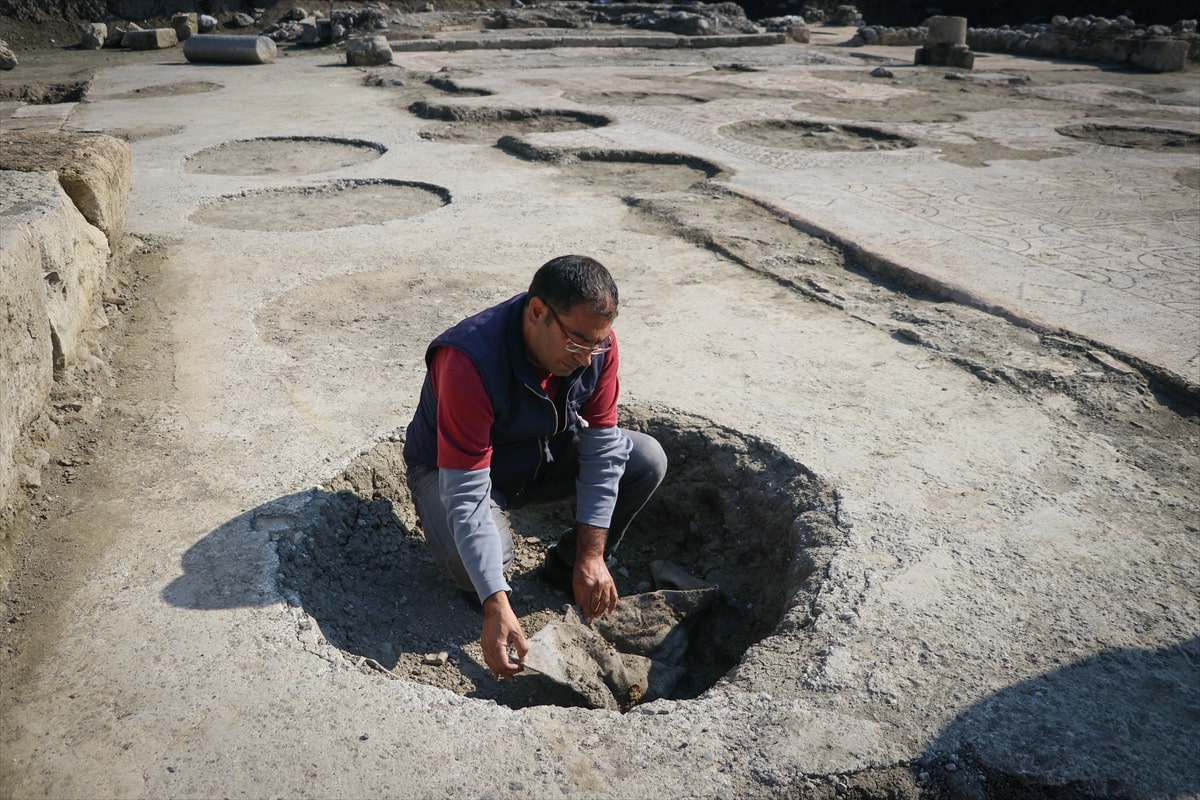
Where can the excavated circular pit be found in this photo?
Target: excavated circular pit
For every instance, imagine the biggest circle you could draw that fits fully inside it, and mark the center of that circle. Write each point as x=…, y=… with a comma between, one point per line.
x=807, y=135
x=634, y=98
x=481, y=125
x=282, y=155
x=337, y=204
x=1163, y=140
x=734, y=513
x=169, y=90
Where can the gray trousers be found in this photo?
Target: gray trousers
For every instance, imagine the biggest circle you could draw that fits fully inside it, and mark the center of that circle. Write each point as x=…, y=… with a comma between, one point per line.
x=644, y=471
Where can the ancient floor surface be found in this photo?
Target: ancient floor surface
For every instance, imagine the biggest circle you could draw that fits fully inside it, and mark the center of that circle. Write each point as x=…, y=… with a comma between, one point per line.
x=973, y=322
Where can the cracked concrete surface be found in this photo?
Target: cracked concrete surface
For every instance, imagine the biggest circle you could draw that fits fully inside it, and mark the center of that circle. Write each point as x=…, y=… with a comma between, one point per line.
x=1011, y=608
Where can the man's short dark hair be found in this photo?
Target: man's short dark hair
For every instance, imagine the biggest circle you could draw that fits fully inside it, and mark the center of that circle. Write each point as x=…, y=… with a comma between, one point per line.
x=566, y=281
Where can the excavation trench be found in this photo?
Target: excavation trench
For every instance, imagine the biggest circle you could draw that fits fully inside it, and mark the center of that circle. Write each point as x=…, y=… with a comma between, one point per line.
x=738, y=537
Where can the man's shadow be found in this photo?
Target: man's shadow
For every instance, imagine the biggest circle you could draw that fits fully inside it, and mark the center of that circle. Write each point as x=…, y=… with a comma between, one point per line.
x=1124, y=723
x=364, y=576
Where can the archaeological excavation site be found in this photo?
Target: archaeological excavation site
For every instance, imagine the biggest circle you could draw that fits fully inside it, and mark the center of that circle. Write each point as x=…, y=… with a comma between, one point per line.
x=908, y=298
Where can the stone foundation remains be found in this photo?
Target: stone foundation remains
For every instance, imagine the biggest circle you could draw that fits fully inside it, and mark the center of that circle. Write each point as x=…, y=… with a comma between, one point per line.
x=63, y=201
x=946, y=44
x=1156, y=48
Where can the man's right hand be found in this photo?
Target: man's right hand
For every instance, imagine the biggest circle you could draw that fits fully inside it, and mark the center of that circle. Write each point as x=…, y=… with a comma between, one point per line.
x=501, y=630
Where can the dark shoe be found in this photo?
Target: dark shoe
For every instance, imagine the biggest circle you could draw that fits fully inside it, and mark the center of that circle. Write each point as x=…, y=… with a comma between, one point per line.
x=556, y=572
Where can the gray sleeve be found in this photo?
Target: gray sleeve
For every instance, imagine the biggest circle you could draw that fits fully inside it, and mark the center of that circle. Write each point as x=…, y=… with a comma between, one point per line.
x=602, y=456
x=465, y=494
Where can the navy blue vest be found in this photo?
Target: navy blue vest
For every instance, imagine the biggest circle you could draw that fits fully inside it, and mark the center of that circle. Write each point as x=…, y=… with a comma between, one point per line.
x=530, y=427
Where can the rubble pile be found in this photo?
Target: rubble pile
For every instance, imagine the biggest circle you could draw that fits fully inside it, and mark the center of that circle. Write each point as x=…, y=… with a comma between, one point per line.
x=694, y=19
x=1120, y=41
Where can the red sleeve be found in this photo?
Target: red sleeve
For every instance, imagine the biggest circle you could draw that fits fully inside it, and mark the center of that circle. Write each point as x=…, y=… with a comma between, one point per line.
x=600, y=410
x=464, y=412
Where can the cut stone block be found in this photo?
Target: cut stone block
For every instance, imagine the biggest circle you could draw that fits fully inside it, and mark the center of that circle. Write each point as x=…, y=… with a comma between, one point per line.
x=1161, y=55
x=95, y=170
x=152, y=39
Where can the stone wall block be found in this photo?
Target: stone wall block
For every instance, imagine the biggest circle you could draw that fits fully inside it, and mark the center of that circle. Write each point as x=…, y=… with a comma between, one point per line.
x=52, y=265
x=95, y=170
x=152, y=39
x=1161, y=55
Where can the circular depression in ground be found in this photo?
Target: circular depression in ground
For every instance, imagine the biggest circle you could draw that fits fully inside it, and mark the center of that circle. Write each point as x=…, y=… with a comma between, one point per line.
x=733, y=513
x=1157, y=139
x=282, y=155
x=485, y=125
x=808, y=135
x=336, y=204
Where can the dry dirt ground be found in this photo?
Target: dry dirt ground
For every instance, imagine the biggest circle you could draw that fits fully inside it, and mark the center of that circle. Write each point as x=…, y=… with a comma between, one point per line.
x=939, y=536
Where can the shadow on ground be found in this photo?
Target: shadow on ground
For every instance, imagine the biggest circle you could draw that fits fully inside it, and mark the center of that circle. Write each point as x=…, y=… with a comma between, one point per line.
x=1124, y=723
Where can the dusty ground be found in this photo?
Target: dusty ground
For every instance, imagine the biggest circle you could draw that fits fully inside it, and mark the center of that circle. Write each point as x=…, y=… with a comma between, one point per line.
x=928, y=522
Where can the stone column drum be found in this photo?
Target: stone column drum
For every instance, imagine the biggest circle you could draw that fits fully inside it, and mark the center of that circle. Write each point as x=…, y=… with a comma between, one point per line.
x=210, y=48
x=947, y=30
x=946, y=44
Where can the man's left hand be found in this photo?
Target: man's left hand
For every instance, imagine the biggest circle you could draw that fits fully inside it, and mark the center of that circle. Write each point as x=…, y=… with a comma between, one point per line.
x=595, y=591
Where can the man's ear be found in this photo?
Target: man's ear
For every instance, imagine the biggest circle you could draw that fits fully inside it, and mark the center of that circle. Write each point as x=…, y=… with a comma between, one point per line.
x=538, y=310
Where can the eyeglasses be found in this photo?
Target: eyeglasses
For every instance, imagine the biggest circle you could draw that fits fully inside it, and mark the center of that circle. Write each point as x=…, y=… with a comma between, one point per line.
x=574, y=347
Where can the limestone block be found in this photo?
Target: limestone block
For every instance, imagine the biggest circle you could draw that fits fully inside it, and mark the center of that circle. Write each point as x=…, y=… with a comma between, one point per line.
x=95, y=170
x=151, y=39
x=52, y=265
x=94, y=36
x=1161, y=55
x=368, y=51
x=185, y=25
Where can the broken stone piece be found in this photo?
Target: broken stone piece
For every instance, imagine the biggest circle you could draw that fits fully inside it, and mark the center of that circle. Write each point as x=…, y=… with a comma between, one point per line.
x=654, y=624
x=574, y=655
x=368, y=51
x=185, y=25
x=669, y=575
x=94, y=36
x=152, y=39
x=436, y=659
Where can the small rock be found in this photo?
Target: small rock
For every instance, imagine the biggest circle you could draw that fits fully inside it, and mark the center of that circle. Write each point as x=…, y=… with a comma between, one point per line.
x=436, y=659
x=8, y=59
x=882, y=72
x=94, y=36
x=368, y=51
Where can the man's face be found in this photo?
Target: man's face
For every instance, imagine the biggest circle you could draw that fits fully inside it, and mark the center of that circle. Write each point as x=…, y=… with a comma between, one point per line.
x=561, y=342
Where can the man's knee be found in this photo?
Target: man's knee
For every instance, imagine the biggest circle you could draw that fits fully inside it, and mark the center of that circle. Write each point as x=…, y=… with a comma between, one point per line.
x=646, y=457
